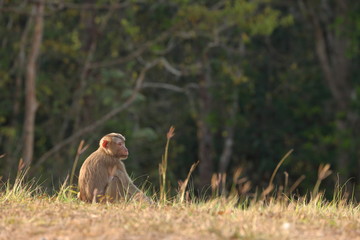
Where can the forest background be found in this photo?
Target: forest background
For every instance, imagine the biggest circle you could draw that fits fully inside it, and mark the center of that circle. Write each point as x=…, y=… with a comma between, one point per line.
x=242, y=81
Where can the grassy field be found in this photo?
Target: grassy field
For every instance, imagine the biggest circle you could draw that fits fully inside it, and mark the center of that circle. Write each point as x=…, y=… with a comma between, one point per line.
x=27, y=213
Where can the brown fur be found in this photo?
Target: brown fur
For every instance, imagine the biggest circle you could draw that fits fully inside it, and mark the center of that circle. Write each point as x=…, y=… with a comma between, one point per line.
x=103, y=176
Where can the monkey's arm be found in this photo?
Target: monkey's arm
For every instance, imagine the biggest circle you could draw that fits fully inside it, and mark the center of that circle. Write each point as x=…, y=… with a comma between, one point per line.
x=128, y=186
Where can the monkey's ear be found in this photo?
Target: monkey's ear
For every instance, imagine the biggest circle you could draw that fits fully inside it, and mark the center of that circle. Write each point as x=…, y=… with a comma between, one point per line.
x=104, y=143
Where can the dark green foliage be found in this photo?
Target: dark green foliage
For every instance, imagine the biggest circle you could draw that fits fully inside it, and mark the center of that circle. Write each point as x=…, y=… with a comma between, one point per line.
x=247, y=70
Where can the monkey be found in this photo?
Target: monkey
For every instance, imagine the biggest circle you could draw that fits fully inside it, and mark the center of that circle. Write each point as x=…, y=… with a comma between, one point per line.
x=103, y=175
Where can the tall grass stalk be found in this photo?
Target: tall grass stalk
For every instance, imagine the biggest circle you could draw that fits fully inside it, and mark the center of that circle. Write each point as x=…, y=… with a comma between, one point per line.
x=270, y=187
x=65, y=192
x=235, y=181
x=79, y=151
x=185, y=183
x=163, y=166
x=296, y=184
x=341, y=196
x=278, y=166
x=323, y=172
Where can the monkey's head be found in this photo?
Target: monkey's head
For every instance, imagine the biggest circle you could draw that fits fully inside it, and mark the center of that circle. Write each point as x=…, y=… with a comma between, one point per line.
x=113, y=144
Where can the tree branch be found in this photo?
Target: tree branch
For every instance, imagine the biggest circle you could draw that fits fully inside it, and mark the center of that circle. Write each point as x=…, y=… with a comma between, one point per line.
x=166, y=86
x=134, y=54
x=106, y=117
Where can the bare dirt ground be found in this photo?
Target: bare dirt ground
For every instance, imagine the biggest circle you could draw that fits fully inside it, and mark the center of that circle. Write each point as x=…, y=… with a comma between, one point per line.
x=46, y=219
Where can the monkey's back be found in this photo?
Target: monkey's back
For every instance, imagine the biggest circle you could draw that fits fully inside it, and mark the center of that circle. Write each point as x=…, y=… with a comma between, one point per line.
x=93, y=176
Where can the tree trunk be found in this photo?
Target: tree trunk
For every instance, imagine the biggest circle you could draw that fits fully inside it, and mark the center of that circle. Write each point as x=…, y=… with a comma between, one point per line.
x=227, y=150
x=229, y=129
x=226, y=154
x=30, y=84
x=206, y=168
x=204, y=135
x=331, y=45
x=12, y=149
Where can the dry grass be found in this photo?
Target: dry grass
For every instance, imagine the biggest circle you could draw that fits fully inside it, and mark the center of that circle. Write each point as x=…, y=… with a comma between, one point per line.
x=27, y=212
x=44, y=217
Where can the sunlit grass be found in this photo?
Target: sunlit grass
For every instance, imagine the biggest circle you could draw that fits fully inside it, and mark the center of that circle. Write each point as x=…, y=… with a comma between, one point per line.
x=20, y=190
x=272, y=213
x=36, y=214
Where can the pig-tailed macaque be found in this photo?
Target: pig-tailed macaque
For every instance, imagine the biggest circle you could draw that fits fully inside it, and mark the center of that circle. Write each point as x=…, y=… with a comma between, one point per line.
x=103, y=176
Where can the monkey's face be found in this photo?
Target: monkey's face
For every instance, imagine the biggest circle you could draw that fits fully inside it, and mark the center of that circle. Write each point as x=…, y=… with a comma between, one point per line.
x=119, y=150
x=114, y=145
